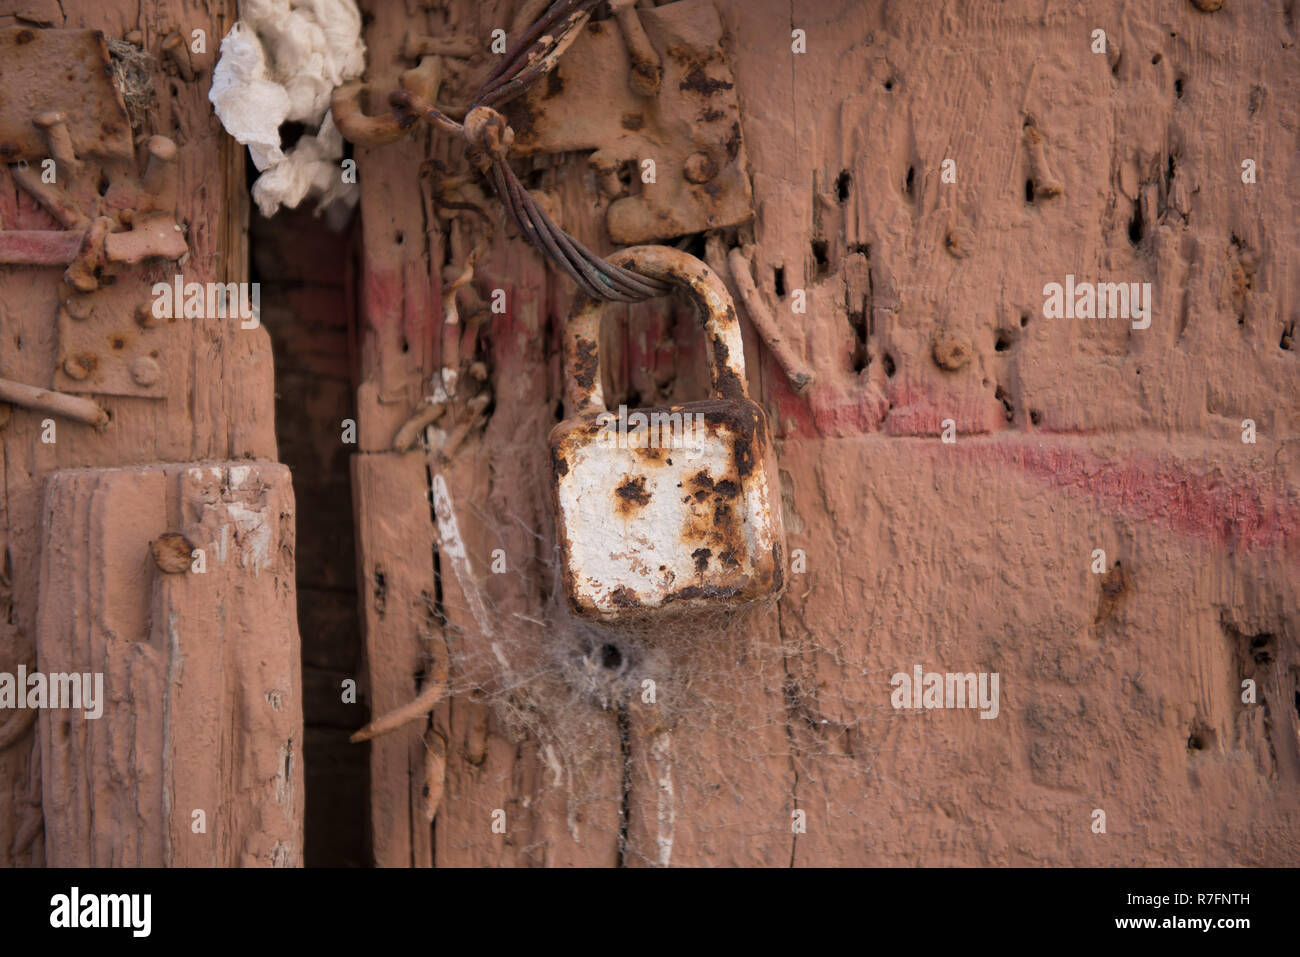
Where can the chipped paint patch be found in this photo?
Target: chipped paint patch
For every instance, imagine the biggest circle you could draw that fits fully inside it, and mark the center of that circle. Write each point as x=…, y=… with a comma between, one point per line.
x=666, y=813
x=252, y=535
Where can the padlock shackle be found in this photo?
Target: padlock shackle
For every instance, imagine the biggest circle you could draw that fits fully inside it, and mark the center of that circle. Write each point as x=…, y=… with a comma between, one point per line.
x=584, y=394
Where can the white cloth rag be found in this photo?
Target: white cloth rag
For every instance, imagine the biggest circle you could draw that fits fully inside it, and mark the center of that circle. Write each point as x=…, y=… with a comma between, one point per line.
x=279, y=63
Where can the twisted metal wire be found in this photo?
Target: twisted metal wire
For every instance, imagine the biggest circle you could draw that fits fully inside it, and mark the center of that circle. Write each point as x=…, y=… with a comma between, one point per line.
x=489, y=138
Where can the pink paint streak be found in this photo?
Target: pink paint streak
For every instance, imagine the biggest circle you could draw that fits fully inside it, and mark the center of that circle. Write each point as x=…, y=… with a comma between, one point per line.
x=1237, y=512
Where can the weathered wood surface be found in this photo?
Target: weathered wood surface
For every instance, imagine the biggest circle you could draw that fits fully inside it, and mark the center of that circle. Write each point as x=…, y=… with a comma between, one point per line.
x=1119, y=692
x=196, y=759
x=218, y=403
x=395, y=571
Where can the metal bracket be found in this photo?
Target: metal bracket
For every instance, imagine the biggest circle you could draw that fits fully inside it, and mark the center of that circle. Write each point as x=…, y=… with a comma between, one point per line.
x=113, y=215
x=64, y=70
x=687, y=120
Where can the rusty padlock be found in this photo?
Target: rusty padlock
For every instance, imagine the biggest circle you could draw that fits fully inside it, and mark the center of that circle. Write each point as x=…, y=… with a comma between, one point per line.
x=669, y=508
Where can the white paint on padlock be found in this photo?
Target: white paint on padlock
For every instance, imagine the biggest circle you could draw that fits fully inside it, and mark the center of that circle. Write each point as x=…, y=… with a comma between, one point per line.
x=667, y=508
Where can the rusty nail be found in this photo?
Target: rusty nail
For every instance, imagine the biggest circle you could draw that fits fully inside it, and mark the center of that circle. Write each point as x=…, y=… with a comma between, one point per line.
x=175, y=50
x=145, y=371
x=646, y=68
x=59, y=403
x=796, y=370
x=83, y=272
x=424, y=79
x=960, y=241
x=159, y=180
x=1046, y=185
x=52, y=198
x=60, y=143
x=356, y=127
x=427, y=413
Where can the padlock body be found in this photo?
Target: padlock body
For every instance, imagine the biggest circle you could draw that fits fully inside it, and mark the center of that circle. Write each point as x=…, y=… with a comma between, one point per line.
x=667, y=509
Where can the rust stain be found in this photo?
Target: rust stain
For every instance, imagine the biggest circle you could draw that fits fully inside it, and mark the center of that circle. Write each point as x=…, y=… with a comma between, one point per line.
x=733, y=141
x=723, y=514
x=632, y=493
x=1114, y=584
x=703, y=485
x=697, y=81
x=625, y=597
x=728, y=385
x=585, y=363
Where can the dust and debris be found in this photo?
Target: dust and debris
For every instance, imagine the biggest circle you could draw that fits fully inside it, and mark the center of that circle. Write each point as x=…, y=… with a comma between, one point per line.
x=133, y=71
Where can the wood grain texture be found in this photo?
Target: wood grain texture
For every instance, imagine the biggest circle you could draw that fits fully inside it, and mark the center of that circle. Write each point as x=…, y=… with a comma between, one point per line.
x=219, y=397
x=201, y=671
x=395, y=579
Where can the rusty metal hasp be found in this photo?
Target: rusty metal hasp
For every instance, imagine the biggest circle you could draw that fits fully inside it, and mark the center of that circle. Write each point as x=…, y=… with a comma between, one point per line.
x=671, y=507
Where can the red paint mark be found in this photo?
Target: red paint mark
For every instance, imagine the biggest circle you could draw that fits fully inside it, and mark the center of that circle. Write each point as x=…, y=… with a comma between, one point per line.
x=38, y=247
x=900, y=410
x=421, y=313
x=1204, y=500
x=825, y=409
x=383, y=297
x=645, y=325
x=921, y=412
x=794, y=416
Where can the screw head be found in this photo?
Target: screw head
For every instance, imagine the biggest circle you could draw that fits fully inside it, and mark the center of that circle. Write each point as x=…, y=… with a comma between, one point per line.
x=78, y=307
x=144, y=317
x=699, y=168
x=145, y=371
x=80, y=365
x=951, y=350
x=959, y=242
